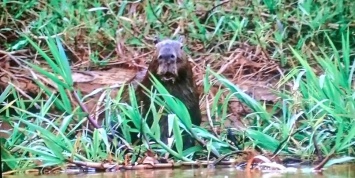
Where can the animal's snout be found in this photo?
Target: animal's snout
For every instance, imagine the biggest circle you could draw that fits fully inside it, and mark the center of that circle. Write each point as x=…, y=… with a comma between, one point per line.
x=167, y=55
x=167, y=67
x=169, y=58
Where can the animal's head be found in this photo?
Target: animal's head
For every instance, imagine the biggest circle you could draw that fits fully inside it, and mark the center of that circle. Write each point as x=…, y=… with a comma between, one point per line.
x=169, y=58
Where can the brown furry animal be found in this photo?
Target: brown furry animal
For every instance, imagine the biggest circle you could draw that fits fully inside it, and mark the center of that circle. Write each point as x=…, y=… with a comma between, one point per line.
x=171, y=67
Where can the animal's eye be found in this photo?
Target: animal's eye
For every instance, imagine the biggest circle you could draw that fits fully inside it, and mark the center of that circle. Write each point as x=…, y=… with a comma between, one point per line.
x=160, y=57
x=181, y=46
x=172, y=56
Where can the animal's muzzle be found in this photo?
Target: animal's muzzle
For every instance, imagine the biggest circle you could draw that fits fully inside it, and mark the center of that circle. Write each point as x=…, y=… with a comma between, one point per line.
x=167, y=72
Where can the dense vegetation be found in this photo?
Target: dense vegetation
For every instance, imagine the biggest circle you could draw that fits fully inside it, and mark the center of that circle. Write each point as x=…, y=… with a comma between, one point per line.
x=310, y=45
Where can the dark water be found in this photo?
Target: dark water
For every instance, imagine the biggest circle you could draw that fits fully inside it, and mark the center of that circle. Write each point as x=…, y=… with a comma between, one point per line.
x=338, y=171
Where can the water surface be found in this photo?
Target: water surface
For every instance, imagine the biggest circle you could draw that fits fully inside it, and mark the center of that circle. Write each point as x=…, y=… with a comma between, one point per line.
x=338, y=171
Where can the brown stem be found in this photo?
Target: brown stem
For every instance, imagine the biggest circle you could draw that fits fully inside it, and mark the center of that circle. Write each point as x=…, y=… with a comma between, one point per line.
x=316, y=147
x=324, y=161
x=83, y=107
x=204, y=18
x=224, y=156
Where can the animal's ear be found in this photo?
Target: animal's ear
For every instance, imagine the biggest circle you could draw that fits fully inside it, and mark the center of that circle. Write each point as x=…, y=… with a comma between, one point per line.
x=181, y=39
x=156, y=40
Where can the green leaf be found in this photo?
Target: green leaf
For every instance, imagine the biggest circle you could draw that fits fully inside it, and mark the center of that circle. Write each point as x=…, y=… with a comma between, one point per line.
x=65, y=98
x=5, y=93
x=55, y=68
x=242, y=96
x=65, y=64
x=36, y=150
x=263, y=140
x=47, y=74
x=177, y=133
x=341, y=160
x=55, y=149
x=7, y=157
x=65, y=123
x=173, y=103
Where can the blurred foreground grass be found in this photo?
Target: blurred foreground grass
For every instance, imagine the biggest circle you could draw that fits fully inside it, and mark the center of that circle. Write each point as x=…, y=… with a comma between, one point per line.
x=312, y=41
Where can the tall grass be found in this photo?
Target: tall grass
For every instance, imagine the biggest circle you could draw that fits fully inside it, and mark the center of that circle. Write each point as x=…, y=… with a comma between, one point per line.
x=314, y=39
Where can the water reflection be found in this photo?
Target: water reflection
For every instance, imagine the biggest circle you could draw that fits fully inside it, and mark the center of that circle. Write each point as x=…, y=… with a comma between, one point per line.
x=339, y=171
